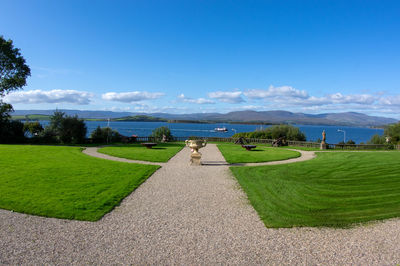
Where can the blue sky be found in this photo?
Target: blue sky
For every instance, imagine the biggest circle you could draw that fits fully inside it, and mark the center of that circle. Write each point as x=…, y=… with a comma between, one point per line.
x=207, y=56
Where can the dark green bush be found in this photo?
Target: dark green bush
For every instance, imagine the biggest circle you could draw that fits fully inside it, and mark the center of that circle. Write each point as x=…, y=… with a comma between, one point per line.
x=105, y=135
x=160, y=132
x=33, y=128
x=279, y=131
x=12, y=132
x=393, y=132
x=377, y=139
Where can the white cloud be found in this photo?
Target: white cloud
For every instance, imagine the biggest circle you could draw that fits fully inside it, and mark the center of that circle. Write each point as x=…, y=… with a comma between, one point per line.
x=227, y=97
x=130, y=97
x=390, y=100
x=183, y=98
x=52, y=96
x=276, y=92
x=357, y=98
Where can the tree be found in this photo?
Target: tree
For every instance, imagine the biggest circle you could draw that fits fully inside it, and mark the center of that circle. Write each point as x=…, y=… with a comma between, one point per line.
x=72, y=130
x=5, y=110
x=33, y=128
x=393, y=132
x=287, y=132
x=377, y=139
x=12, y=132
x=160, y=132
x=13, y=69
x=105, y=135
x=13, y=75
x=64, y=129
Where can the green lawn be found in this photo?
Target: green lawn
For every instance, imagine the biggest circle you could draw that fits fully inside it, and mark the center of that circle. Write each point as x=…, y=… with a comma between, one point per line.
x=300, y=148
x=160, y=153
x=63, y=182
x=336, y=189
x=234, y=153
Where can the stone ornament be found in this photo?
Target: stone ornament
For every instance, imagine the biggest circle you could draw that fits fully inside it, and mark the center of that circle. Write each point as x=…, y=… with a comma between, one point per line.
x=323, y=145
x=195, y=145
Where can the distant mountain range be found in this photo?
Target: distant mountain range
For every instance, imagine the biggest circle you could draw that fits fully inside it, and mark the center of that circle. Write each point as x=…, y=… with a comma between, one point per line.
x=270, y=117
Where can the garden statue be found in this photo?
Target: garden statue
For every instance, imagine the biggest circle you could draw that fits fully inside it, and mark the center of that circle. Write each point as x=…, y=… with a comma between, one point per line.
x=323, y=142
x=195, y=145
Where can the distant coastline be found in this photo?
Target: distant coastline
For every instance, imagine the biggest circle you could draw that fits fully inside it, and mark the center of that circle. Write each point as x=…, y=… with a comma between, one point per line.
x=240, y=117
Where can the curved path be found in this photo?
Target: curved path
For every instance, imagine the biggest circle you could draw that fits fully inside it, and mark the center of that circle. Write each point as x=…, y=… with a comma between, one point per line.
x=190, y=215
x=304, y=156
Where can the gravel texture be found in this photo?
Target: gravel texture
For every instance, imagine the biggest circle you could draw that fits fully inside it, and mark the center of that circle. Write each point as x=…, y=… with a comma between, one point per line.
x=190, y=215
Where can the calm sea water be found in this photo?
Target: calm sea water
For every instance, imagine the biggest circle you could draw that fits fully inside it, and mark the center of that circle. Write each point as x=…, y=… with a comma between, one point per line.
x=312, y=133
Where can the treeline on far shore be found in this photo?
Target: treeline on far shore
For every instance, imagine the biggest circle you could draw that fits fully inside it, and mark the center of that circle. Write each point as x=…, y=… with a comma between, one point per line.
x=141, y=118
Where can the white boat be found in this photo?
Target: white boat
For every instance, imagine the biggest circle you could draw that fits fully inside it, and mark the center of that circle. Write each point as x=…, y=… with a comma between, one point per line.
x=221, y=129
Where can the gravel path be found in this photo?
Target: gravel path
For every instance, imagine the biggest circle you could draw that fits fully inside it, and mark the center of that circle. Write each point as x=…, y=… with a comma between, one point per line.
x=190, y=215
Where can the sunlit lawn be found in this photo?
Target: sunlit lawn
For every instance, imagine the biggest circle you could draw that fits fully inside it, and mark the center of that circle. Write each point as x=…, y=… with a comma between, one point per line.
x=234, y=153
x=160, y=153
x=63, y=182
x=336, y=189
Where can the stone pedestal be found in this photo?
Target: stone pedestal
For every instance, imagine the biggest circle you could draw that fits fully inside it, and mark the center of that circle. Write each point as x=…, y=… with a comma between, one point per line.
x=195, y=145
x=323, y=146
x=195, y=158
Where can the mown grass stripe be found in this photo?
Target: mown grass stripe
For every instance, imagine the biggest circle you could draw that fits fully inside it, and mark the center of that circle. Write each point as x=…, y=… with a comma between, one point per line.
x=335, y=189
x=64, y=183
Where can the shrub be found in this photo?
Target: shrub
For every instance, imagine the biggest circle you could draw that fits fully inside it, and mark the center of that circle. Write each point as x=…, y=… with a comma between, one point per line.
x=393, y=132
x=105, y=135
x=33, y=128
x=160, y=132
x=377, y=139
x=72, y=130
x=11, y=132
x=64, y=129
x=279, y=131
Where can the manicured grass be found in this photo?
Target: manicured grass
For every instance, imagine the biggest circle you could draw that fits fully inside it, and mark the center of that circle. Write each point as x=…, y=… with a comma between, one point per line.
x=234, y=153
x=301, y=148
x=337, y=189
x=63, y=182
x=160, y=153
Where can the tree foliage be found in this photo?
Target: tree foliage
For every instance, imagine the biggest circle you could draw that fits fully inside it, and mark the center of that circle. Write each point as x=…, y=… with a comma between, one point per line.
x=72, y=130
x=64, y=129
x=377, y=139
x=105, y=135
x=159, y=133
x=391, y=135
x=13, y=69
x=393, y=132
x=33, y=128
x=5, y=110
x=13, y=74
x=12, y=132
x=287, y=132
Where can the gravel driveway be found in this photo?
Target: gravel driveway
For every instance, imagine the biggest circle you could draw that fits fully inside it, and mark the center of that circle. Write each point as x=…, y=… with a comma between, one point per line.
x=190, y=215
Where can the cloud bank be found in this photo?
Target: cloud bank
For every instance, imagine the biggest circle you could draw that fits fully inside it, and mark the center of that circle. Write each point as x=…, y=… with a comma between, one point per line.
x=131, y=97
x=185, y=99
x=227, y=97
x=52, y=96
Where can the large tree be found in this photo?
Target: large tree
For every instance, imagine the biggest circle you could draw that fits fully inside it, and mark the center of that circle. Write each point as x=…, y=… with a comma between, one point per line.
x=13, y=75
x=13, y=69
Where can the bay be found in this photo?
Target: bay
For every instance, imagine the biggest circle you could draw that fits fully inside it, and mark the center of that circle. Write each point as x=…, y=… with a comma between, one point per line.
x=312, y=132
